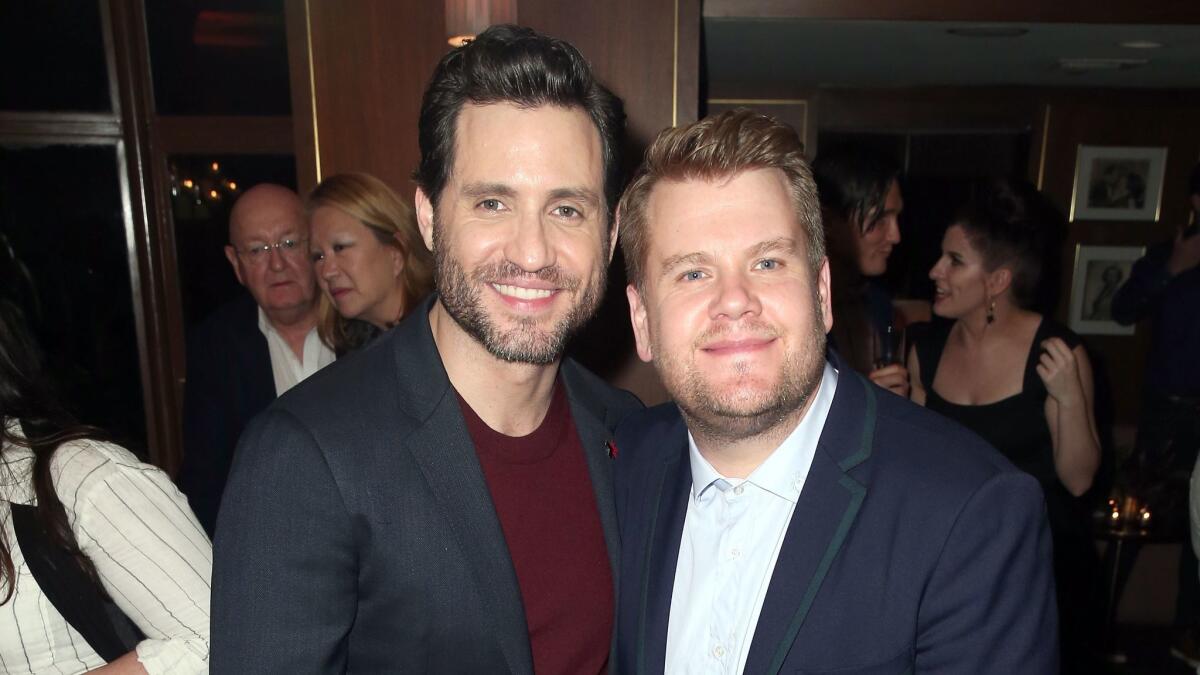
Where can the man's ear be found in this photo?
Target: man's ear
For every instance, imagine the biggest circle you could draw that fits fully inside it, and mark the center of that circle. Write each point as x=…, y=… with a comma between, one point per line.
x=231, y=256
x=424, y=217
x=641, y=326
x=825, y=295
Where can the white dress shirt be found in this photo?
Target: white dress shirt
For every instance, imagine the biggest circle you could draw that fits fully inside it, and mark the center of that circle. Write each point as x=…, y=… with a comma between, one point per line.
x=732, y=534
x=287, y=369
x=152, y=556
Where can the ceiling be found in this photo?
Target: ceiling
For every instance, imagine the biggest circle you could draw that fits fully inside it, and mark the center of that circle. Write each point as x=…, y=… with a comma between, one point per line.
x=747, y=55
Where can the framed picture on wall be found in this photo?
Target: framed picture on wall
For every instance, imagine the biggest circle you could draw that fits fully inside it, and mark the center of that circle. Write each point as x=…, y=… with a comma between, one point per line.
x=1099, y=272
x=1118, y=183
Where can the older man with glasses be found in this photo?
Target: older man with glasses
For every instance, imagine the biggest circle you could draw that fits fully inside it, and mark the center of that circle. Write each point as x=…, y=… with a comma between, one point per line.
x=254, y=348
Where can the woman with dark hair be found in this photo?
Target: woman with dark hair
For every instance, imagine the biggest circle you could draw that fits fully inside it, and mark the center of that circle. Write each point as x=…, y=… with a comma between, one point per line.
x=860, y=205
x=1017, y=378
x=369, y=258
x=86, y=526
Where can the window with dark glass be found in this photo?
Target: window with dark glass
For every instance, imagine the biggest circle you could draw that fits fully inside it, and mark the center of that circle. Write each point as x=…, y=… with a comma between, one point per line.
x=219, y=57
x=53, y=56
x=64, y=261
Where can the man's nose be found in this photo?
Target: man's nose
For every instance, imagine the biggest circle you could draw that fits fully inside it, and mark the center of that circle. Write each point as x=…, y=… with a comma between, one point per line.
x=736, y=296
x=530, y=246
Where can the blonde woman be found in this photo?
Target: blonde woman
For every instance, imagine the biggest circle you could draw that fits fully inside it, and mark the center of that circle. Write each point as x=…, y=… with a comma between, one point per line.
x=369, y=258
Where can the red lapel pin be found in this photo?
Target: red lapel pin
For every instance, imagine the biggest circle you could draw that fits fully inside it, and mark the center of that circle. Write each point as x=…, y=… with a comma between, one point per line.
x=612, y=449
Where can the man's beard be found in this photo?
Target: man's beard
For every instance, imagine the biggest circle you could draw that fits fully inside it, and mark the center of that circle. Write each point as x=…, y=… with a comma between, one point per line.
x=526, y=342
x=737, y=416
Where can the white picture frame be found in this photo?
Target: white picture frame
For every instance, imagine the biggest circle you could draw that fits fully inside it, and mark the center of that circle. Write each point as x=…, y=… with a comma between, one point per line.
x=1099, y=272
x=1118, y=183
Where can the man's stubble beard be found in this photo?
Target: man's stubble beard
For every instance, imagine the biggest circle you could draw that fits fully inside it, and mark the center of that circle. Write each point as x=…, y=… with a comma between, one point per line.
x=461, y=295
x=732, y=419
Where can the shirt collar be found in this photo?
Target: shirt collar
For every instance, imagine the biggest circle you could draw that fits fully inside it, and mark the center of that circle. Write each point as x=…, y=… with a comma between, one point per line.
x=784, y=471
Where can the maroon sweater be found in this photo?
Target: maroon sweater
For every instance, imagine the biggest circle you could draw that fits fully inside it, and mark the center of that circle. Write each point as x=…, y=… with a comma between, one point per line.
x=543, y=495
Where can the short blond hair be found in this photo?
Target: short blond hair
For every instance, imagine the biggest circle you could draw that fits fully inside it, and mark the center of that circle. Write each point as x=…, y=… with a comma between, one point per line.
x=374, y=204
x=720, y=147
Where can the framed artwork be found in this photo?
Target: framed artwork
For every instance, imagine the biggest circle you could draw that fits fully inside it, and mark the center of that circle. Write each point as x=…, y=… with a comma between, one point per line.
x=1117, y=183
x=1099, y=272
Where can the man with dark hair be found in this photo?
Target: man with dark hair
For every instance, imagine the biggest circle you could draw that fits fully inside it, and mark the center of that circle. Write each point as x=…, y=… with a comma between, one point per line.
x=1164, y=286
x=860, y=205
x=784, y=515
x=440, y=502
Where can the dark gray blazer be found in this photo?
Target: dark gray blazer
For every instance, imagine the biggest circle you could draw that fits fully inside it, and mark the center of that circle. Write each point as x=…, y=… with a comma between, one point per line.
x=357, y=533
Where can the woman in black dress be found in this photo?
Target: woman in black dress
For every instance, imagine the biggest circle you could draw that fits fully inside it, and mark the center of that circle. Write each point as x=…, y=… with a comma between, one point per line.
x=1017, y=378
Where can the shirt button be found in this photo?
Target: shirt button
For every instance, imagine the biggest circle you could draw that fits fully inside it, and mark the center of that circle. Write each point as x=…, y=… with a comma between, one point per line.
x=739, y=490
x=735, y=553
x=718, y=652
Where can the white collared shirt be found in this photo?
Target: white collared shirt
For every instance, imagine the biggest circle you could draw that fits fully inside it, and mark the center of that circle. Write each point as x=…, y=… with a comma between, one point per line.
x=732, y=535
x=287, y=369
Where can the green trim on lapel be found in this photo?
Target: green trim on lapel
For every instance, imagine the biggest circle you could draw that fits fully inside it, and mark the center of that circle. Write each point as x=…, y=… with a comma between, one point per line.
x=858, y=492
x=868, y=437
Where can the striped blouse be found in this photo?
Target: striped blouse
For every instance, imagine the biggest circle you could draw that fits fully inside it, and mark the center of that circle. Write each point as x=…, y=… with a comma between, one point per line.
x=152, y=556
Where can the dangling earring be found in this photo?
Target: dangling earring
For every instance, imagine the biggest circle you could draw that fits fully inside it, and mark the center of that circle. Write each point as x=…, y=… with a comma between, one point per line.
x=991, y=311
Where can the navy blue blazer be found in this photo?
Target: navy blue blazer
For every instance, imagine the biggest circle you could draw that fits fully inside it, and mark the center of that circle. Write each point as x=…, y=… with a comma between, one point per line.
x=914, y=547
x=229, y=381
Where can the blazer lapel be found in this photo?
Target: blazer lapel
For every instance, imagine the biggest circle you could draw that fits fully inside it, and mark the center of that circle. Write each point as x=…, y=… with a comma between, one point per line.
x=669, y=490
x=594, y=424
x=824, y=514
x=443, y=449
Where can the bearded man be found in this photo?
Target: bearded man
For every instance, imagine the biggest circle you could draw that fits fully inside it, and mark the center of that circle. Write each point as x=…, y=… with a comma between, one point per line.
x=441, y=501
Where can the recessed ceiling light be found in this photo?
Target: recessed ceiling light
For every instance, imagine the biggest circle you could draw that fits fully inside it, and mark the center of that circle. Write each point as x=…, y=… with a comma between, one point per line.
x=1085, y=64
x=1141, y=44
x=988, y=31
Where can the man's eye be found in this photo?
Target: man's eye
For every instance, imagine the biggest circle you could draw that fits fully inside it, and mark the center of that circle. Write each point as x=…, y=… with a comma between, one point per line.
x=288, y=244
x=568, y=212
x=692, y=275
x=768, y=264
x=317, y=256
x=490, y=204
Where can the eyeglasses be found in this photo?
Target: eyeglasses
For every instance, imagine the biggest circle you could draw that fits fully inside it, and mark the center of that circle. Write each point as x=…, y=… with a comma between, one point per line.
x=256, y=255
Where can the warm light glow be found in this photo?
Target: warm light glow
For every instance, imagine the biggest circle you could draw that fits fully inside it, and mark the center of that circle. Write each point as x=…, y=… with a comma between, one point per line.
x=467, y=18
x=216, y=167
x=1116, y=515
x=214, y=194
x=232, y=185
x=187, y=183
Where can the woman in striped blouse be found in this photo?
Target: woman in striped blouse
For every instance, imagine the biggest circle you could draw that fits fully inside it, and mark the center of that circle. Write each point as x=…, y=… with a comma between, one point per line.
x=120, y=525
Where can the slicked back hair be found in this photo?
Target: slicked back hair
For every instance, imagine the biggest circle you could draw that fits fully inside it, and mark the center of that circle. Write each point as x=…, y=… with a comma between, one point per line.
x=717, y=148
x=516, y=65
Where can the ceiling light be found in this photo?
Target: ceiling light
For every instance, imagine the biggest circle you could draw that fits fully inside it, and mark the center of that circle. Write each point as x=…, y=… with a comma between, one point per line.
x=988, y=31
x=1141, y=44
x=1087, y=64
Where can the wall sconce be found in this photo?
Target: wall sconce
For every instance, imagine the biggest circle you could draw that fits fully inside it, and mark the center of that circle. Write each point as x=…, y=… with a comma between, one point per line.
x=467, y=18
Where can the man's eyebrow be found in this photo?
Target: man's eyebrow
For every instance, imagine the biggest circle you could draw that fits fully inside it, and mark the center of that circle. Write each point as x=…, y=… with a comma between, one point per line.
x=784, y=244
x=477, y=190
x=579, y=194
x=697, y=258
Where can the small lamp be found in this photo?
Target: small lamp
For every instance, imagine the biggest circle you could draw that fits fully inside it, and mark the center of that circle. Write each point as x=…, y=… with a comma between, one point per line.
x=467, y=18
